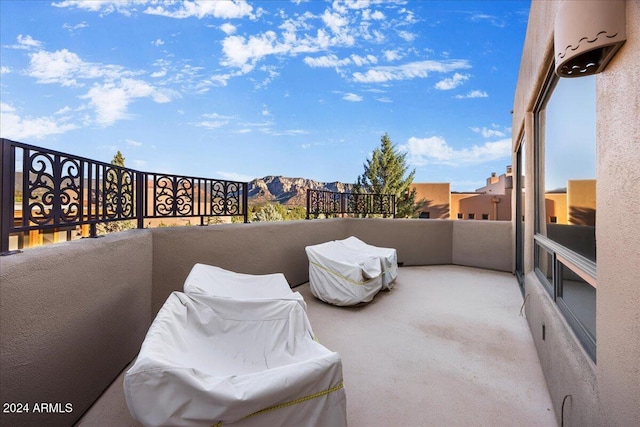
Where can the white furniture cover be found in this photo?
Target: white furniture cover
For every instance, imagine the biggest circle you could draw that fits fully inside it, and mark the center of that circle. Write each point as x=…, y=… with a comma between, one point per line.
x=206, y=279
x=348, y=272
x=388, y=258
x=209, y=361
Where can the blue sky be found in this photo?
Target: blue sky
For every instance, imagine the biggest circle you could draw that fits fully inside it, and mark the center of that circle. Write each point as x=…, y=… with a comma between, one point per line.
x=240, y=90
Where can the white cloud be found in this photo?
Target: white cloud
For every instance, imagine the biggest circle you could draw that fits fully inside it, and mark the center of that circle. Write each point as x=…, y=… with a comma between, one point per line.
x=203, y=8
x=377, y=15
x=492, y=19
x=217, y=116
x=363, y=60
x=228, y=28
x=133, y=143
x=286, y=132
x=5, y=70
x=488, y=133
x=326, y=61
x=453, y=82
x=435, y=150
x=66, y=68
x=173, y=9
x=411, y=70
x=407, y=36
x=244, y=53
x=214, y=121
x=105, y=7
x=335, y=21
x=208, y=124
x=6, y=108
x=391, y=55
x=62, y=111
x=158, y=42
x=114, y=86
x=111, y=100
x=384, y=99
x=26, y=43
x=352, y=97
x=72, y=28
x=19, y=128
x=474, y=94
x=305, y=146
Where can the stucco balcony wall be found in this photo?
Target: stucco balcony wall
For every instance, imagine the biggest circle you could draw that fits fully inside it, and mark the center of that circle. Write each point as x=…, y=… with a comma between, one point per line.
x=73, y=315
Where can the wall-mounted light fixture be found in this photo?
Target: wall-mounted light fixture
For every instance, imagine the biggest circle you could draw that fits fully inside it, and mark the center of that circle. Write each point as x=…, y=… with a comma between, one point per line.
x=587, y=34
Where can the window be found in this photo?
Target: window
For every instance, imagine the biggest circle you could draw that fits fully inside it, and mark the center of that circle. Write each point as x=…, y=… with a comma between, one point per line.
x=425, y=215
x=485, y=216
x=472, y=216
x=460, y=216
x=565, y=184
x=519, y=214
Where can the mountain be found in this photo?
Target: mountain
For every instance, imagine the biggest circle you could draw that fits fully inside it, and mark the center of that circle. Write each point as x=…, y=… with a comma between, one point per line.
x=289, y=191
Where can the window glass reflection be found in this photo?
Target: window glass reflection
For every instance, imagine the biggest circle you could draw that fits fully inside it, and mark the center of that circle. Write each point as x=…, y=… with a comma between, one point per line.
x=580, y=297
x=570, y=166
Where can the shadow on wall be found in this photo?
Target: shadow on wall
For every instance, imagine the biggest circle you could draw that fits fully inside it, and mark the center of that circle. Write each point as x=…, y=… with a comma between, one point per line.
x=434, y=211
x=582, y=216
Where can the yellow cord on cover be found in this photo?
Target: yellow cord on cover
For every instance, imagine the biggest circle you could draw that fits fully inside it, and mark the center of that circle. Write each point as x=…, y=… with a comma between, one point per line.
x=291, y=403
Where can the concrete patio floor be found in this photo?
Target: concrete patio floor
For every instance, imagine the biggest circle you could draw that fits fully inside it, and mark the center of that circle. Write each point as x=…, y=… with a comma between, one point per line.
x=445, y=347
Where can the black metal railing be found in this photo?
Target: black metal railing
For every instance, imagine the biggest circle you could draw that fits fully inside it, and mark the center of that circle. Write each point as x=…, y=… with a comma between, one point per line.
x=330, y=203
x=45, y=189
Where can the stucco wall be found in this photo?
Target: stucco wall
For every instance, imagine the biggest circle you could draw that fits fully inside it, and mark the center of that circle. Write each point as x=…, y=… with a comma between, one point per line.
x=618, y=230
x=72, y=316
x=606, y=393
x=568, y=370
x=418, y=242
x=484, y=244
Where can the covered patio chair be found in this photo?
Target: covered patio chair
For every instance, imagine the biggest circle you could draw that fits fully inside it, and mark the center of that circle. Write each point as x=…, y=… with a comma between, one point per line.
x=204, y=279
x=349, y=272
x=212, y=361
x=388, y=258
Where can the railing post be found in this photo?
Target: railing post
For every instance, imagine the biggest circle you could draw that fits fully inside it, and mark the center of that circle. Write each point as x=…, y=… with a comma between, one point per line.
x=7, y=177
x=141, y=189
x=393, y=204
x=245, y=201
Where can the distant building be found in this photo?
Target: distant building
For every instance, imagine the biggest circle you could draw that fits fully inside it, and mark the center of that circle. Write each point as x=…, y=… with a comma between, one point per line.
x=491, y=202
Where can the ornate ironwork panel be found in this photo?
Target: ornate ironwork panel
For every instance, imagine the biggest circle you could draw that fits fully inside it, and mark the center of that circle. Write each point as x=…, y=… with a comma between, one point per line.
x=52, y=194
x=180, y=196
x=61, y=190
x=332, y=203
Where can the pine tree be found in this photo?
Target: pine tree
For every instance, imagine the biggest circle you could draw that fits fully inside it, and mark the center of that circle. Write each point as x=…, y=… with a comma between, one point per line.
x=385, y=173
x=118, y=159
x=111, y=227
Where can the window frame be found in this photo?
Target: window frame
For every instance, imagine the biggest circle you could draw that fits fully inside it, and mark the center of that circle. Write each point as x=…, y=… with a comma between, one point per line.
x=561, y=256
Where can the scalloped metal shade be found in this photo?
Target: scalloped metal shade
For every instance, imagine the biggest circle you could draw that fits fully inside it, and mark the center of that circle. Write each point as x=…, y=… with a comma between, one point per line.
x=587, y=34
